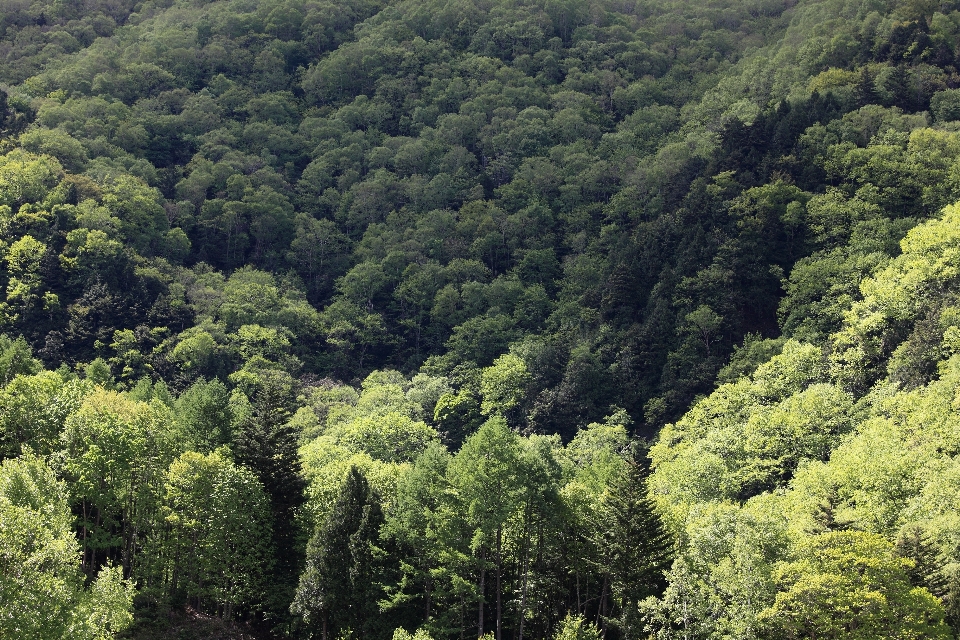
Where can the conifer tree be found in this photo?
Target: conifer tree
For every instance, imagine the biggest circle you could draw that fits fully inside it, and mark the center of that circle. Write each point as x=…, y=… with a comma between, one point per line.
x=266, y=443
x=636, y=546
x=900, y=87
x=339, y=589
x=865, y=92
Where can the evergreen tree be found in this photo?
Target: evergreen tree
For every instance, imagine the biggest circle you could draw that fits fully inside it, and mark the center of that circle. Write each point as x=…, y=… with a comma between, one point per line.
x=865, y=92
x=265, y=442
x=339, y=590
x=636, y=546
x=900, y=87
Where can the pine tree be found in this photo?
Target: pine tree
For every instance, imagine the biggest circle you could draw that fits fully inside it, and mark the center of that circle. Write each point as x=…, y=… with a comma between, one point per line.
x=636, y=546
x=865, y=92
x=339, y=589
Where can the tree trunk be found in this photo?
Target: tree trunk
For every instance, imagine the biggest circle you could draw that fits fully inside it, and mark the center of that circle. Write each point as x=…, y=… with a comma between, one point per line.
x=523, y=588
x=601, y=607
x=483, y=583
x=427, y=588
x=578, y=592
x=499, y=572
x=603, y=593
x=86, y=562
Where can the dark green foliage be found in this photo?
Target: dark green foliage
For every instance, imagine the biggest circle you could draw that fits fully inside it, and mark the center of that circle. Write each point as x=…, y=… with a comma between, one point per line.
x=543, y=214
x=205, y=413
x=457, y=416
x=339, y=587
x=636, y=547
x=267, y=444
x=865, y=92
x=445, y=198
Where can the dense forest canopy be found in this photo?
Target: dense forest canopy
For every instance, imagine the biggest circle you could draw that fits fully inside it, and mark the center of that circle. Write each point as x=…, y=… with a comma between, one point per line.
x=422, y=319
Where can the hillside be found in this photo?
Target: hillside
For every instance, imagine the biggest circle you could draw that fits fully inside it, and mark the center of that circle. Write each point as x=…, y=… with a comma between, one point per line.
x=344, y=318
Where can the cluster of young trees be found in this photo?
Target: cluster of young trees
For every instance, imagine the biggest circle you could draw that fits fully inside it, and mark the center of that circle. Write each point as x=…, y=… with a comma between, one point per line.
x=349, y=318
x=507, y=534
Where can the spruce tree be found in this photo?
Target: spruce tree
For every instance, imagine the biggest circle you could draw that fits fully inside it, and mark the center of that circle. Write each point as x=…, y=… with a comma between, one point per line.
x=865, y=92
x=265, y=442
x=900, y=87
x=635, y=544
x=339, y=589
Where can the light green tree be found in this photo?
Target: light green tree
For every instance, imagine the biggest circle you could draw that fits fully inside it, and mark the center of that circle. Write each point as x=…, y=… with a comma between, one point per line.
x=503, y=385
x=486, y=474
x=42, y=595
x=115, y=452
x=216, y=545
x=576, y=627
x=850, y=584
x=34, y=408
x=23, y=265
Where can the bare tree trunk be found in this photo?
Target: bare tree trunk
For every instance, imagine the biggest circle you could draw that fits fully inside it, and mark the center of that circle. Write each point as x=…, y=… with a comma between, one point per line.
x=602, y=607
x=578, y=592
x=603, y=593
x=483, y=585
x=526, y=573
x=499, y=572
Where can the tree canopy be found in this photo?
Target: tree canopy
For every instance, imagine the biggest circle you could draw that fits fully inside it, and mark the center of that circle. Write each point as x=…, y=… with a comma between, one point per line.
x=420, y=319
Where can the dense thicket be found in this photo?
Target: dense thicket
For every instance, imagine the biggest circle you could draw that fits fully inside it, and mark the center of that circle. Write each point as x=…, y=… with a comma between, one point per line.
x=340, y=318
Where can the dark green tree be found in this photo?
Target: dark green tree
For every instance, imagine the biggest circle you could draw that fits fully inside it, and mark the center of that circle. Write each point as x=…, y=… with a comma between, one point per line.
x=865, y=92
x=339, y=588
x=636, y=548
x=265, y=442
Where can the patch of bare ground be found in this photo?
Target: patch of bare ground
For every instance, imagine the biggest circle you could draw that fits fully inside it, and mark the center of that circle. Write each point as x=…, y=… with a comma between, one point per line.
x=190, y=624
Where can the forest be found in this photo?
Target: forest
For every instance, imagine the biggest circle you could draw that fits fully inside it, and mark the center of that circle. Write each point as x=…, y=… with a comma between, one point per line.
x=437, y=319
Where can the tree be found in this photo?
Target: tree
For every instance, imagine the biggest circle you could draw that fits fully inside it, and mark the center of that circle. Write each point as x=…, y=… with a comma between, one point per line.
x=33, y=410
x=503, y=385
x=486, y=475
x=576, y=627
x=413, y=522
x=115, y=452
x=541, y=514
x=849, y=584
x=203, y=411
x=16, y=358
x=636, y=548
x=457, y=415
x=865, y=92
x=339, y=588
x=42, y=595
x=265, y=442
x=319, y=251
x=216, y=546
x=23, y=264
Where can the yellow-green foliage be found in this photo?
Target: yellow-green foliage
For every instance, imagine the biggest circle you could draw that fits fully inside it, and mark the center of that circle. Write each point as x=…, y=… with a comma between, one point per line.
x=42, y=594
x=803, y=448
x=375, y=431
x=851, y=584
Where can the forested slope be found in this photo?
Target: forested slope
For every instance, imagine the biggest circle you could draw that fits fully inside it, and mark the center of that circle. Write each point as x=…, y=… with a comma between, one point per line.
x=341, y=318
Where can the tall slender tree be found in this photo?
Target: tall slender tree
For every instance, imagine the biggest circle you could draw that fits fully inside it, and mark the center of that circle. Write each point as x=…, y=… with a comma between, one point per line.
x=339, y=589
x=637, y=548
x=265, y=442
